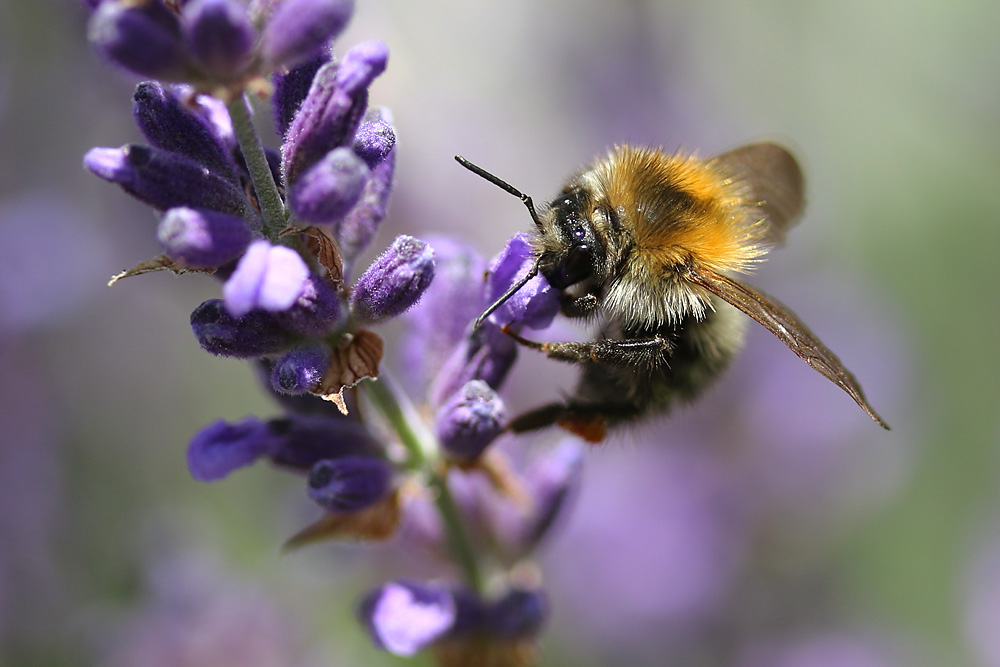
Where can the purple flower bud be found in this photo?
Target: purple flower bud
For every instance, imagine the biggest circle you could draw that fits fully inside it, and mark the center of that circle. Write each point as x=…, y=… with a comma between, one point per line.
x=356, y=231
x=349, y=484
x=536, y=304
x=470, y=420
x=219, y=35
x=268, y=277
x=255, y=334
x=404, y=617
x=168, y=120
x=517, y=615
x=304, y=441
x=395, y=280
x=315, y=312
x=165, y=180
x=361, y=64
x=330, y=188
x=550, y=481
x=202, y=238
x=291, y=88
x=221, y=447
x=331, y=112
x=300, y=369
x=143, y=37
x=437, y=324
x=375, y=137
x=298, y=29
x=488, y=355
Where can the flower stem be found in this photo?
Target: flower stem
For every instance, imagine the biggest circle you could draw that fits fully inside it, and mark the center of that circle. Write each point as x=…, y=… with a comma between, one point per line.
x=422, y=449
x=260, y=172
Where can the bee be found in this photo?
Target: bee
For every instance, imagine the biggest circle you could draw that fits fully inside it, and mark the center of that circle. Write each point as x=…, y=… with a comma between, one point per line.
x=647, y=243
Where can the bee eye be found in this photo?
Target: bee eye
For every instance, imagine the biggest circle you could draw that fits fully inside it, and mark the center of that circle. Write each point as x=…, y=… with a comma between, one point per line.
x=578, y=266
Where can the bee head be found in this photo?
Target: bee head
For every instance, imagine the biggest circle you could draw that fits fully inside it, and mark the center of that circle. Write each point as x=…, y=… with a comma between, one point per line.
x=569, y=253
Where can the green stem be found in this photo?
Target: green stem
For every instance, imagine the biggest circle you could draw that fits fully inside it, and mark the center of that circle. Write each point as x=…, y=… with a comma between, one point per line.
x=271, y=206
x=422, y=450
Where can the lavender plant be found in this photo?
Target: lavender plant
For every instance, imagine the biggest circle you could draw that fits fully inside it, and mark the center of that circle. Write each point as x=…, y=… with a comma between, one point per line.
x=283, y=232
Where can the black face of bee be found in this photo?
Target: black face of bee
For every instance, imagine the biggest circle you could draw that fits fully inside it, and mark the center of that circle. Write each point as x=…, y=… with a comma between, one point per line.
x=579, y=252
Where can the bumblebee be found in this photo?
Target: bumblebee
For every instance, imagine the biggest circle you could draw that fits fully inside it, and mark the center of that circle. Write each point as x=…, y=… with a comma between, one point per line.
x=647, y=243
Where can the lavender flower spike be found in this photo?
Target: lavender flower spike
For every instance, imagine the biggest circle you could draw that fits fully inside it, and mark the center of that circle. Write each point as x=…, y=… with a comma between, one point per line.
x=395, y=281
x=202, y=238
x=349, y=484
x=268, y=277
x=470, y=420
x=298, y=29
x=330, y=188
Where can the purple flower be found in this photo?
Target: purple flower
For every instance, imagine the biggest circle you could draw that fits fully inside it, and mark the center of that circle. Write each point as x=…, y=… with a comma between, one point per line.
x=329, y=189
x=534, y=305
x=470, y=420
x=164, y=179
x=144, y=38
x=298, y=29
x=375, y=138
x=300, y=369
x=395, y=281
x=518, y=614
x=298, y=442
x=331, y=112
x=487, y=354
x=291, y=88
x=255, y=334
x=222, y=447
x=175, y=119
x=356, y=231
x=268, y=277
x=350, y=483
x=437, y=324
x=202, y=238
x=404, y=617
x=308, y=440
x=315, y=312
x=219, y=35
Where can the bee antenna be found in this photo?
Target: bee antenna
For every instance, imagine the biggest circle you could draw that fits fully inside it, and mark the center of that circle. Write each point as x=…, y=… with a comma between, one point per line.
x=504, y=185
x=532, y=272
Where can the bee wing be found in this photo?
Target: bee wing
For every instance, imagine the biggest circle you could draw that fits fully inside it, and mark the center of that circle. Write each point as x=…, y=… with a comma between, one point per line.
x=789, y=329
x=771, y=178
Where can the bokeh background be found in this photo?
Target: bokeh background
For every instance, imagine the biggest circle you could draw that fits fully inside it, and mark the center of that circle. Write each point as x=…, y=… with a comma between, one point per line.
x=771, y=524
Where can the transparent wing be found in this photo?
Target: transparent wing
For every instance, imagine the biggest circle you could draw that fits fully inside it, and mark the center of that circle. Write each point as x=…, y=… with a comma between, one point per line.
x=789, y=329
x=771, y=178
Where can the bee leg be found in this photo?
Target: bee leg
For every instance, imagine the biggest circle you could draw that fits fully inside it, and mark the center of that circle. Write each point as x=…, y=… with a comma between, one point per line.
x=580, y=306
x=585, y=419
x=641, y=352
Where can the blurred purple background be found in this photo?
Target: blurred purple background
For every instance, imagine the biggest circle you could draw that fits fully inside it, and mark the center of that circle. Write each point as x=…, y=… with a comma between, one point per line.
x=770, y=524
